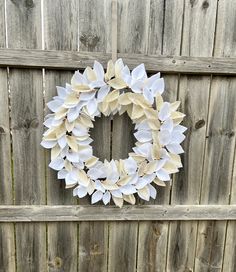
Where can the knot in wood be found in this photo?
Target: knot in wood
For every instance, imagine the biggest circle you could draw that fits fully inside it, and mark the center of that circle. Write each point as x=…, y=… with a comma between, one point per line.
x=2, y=130
x=205, y=5
x=200, y=124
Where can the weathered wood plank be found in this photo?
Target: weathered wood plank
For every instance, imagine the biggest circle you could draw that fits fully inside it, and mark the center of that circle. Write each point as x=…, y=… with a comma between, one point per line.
x=61, y=33
x=94, y=35
x=197, y=40
x=7, y=250
x=225, y=47
x=71, y=60
x=217, y=173
x=165, y=28
x=133, y=28
x=219, y=155
x=67, y=213
x=26, y=101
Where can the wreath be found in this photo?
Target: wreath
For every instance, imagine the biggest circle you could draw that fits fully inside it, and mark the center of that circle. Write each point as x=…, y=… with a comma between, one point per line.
x=157, y=130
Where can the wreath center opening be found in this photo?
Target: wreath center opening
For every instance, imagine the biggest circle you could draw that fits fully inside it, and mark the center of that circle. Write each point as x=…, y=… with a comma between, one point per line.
x=108, y=140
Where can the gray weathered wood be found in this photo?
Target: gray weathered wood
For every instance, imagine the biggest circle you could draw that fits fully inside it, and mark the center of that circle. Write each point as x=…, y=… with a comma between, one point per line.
x=197, y=40
x=165, y=28
x=7, y=252
x=61, y=33
x=95, y=35
x=60, y=213
x=71, y=60
x=26, y=101
x=219, y=155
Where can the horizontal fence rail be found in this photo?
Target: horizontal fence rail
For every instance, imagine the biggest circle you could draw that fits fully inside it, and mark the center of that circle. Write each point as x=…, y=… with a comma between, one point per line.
x=44, y=213
x=70, y=60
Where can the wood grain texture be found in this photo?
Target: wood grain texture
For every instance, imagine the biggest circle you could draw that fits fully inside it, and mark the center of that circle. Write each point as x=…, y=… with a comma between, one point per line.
x=165, y=16
x=95, y=35
x=61, y=33
x=197, y=40
x=133, y=21
x=71, y=60
x=219, y=153
x=7, y=248
x=69, y=213
x=225, y=47
x=26, y=101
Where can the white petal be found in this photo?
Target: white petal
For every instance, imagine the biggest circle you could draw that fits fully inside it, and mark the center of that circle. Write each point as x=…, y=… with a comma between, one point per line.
x=143, y=136
x=119, y=65
x=92, y=106
x=163, y=175
x=61, y=91
x=48, y=122
x=99, y=71
x=158, y=86
x=130, y=165
x=57, y=164
x=81, y=191
x=142, y=182
x=167, y=125
x=73, y=114
x=164, y=111
x=54, y=105
x=116, y=193
x=87, y=95
x=175, y=148
x=152, y=79
x=152, y=190
x=96, y=197
x=160, y=164
x=85, y=154
x=128, y=189
x=164, y=137
x=139, y=72
x=102, y=93
x=136, y=86
x=144, y=149
x=180, y=128
x=48, y=144
x=106, y=198
x=177, y=137
x=142, y=126
x=78, y=79
x=72, y=157
x=98, y=186
x=125, y=75
x=94, y=173
x=62, y=142
x=62, y=174
x=148, y=95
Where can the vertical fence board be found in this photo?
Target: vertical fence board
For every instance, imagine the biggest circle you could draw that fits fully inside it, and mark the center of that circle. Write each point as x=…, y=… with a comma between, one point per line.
x=7, y=248
x=24, y=31
x=219, y=155
x=95, y=35
x=164, y=16
x=133, y=23
x=197, y=40
x=225, y=47
x=61, y=33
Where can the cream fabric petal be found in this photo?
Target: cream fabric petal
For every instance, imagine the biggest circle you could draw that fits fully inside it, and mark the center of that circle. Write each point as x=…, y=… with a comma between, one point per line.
x=99, y=71
x=144, y=193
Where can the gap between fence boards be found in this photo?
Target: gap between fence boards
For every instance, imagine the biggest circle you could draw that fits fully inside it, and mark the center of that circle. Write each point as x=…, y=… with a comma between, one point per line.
x=70, y=60
x=44, y=213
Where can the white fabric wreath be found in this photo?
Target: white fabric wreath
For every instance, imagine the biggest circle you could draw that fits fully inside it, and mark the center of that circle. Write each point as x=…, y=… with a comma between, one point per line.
x=158, y=133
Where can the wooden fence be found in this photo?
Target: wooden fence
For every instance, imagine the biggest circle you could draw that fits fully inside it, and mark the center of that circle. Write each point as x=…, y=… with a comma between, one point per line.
x=191, y=226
